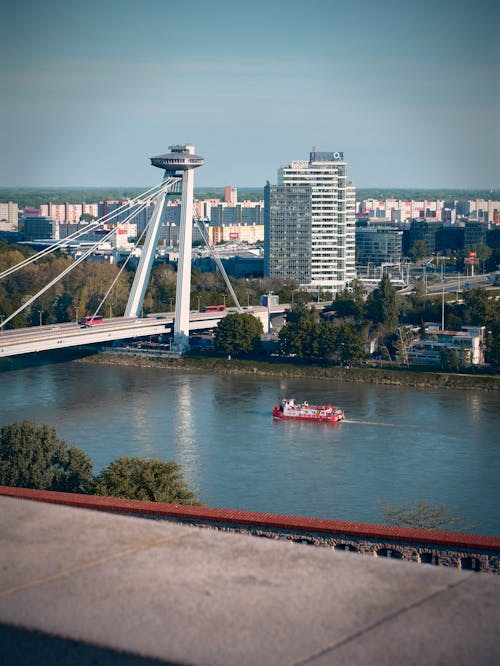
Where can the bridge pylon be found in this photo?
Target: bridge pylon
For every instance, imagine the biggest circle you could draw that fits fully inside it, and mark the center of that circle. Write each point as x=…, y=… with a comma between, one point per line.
x=178, y=166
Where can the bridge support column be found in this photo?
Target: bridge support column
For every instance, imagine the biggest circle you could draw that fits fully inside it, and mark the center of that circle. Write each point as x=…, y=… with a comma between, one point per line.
x=183, y=293
x=138, y=291
x=178, y=166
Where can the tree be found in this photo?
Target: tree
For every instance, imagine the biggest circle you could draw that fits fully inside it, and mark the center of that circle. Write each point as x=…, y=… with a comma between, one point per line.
x=454, y=359
x=301, y=335
x=383, y=305
x=150, y=479
x=418, y=250
x=345, y=305
x=33, y=456
x=404, y=341
x=423, y=515
x=350, y=343
x=238, y=334
x=483, y=253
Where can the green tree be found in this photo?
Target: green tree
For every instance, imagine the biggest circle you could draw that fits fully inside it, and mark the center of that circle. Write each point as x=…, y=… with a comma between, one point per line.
x=144, y=479
x=351, y=343
x=418, y=250
x=423, y=515
x=454, y=359
x=345, y=305
x=382, y=304
x=239, y=334
x=33, y=456
x=301, y=335
x=483, y=253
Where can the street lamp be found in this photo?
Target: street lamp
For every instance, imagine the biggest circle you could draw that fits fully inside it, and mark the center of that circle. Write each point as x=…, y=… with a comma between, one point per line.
x=198, y=303
x=442, y=259
x=2, y=317
x=76, y=315
x=171, y=302
x=40, y=313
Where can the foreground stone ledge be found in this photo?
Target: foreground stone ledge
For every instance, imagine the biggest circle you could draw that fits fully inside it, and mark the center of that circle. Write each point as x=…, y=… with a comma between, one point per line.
x=86, y=587
x=456, y=549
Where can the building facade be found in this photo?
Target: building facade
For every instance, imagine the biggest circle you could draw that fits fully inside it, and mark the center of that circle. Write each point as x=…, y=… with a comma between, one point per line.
x=9, y=216
x=40, y=227
x=309, y=223
x=378, y=245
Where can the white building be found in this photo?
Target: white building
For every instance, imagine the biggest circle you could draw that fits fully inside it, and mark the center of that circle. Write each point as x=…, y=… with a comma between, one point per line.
x=468, y=343
x=309, y=220
x=9, y=216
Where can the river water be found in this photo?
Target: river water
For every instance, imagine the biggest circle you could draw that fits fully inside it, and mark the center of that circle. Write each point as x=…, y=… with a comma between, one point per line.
x=396, y=445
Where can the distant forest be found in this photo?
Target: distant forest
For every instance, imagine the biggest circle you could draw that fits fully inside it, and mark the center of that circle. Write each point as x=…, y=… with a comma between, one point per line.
x=34, y=196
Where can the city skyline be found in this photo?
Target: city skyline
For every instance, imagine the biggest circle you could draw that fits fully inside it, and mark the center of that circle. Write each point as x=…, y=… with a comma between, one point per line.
x=92, y=91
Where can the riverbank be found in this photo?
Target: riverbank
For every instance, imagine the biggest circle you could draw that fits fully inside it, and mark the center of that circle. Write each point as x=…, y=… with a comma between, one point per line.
x=395, y=377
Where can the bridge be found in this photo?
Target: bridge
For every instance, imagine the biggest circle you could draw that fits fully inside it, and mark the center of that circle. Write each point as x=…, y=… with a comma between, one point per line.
x=60, y=336
x=178, y=166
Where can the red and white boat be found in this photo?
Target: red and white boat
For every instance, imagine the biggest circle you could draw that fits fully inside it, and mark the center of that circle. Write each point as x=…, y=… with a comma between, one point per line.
x=303, y=411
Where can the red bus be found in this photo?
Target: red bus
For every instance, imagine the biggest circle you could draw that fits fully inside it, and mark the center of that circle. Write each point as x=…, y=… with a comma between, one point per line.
x=90, y=321
x=214, y=308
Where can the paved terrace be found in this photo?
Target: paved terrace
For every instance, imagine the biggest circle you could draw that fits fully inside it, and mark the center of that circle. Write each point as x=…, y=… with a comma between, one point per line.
x=80, y=586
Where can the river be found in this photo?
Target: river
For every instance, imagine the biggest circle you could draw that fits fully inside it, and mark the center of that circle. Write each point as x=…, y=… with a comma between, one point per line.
x=396, y=445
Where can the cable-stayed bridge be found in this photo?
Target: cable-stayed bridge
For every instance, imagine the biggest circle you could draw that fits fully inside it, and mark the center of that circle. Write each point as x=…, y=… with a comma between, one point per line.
x=178, y=166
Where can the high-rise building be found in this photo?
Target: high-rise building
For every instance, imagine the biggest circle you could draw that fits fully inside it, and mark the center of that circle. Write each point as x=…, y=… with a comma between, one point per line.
x=309, y=223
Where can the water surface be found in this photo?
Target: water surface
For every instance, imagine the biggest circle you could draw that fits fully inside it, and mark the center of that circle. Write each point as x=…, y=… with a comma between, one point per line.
x=397, y=444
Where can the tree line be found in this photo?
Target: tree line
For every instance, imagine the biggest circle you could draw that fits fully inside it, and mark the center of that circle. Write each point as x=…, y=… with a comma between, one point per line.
x=343, y=332
x=81, y=291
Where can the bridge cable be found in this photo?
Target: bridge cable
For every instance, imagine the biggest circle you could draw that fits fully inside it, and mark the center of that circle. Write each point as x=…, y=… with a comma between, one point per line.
x=136, y=244
x=203, y=232
x=78, y=261
x=80, y=232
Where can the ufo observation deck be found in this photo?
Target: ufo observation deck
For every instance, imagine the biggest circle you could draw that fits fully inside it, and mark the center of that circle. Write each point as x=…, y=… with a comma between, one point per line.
x=179, y=159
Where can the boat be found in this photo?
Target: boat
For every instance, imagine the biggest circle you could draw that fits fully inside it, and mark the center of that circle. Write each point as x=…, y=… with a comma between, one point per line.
x=303, y=411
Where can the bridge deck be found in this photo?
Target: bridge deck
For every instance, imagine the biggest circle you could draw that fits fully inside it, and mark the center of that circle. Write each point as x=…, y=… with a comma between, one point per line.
x=59, y=336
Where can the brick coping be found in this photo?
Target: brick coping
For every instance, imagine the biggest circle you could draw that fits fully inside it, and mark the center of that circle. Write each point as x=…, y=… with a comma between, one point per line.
x=255, y=519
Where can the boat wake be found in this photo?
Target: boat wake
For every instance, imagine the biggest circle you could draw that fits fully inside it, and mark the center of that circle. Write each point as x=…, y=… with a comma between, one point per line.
x=378, y=423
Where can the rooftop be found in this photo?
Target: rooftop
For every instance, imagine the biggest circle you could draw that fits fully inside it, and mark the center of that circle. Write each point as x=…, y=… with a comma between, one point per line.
x=82, y=586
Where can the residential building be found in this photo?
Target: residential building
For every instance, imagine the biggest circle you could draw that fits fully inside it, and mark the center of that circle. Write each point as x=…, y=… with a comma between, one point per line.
x=248, y=212
x=230, y=194
x=9, y=216
x=309, y=220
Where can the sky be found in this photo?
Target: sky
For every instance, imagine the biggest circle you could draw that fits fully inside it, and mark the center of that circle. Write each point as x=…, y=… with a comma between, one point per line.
x=408, y=91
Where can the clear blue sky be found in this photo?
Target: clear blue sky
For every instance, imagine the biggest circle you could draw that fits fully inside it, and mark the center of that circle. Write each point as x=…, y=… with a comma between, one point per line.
x=408, y=90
